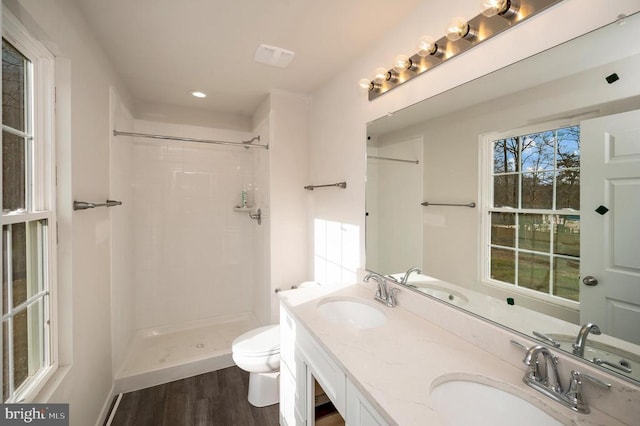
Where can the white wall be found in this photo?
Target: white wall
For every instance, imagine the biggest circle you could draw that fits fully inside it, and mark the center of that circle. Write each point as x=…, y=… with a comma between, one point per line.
x=193, y=254
x=340, y=113
x=289, y=173
x=84, y=81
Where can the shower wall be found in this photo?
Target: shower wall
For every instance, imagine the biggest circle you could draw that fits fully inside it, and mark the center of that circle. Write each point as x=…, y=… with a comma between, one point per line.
x=194, y=256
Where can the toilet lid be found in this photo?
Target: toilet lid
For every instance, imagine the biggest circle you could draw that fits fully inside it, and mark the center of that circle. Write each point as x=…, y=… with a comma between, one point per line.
x=258, y=342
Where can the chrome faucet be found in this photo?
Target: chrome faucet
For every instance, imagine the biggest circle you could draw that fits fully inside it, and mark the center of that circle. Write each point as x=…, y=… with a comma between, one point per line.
x=383, y=295
x=405, y=279
x=545, y=379
x=581, y=340
x=545, y=374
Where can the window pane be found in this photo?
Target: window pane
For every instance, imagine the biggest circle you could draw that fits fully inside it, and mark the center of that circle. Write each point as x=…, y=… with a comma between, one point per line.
x=505, y=191
x=503, y=229
x=35, y=313
x=20, y=348
x=568, y=189
x=567, y=235
x=5, y=360
x=537, y=190
x=505, y=155
x=13, y=172
x=503, y=265
x=538, y=151
x=13, y=86
x=535, y=232
x=5, y=273
x=19, y=263
x=568, y=148
x=534, y=271
x=566, y=278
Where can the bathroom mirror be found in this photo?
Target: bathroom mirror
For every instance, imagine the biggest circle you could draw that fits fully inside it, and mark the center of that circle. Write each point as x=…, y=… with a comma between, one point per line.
x=431, y=152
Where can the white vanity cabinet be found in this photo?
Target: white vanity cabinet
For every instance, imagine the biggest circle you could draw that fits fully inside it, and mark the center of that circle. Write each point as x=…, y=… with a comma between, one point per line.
x=293, y=375
x=359, y=411
x=302, y=361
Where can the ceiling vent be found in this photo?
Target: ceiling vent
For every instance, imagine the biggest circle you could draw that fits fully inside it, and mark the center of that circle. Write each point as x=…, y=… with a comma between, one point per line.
x=274, y=56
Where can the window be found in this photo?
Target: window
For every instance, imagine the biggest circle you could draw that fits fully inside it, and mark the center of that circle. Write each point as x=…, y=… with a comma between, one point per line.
x=28, y=214
x=532, y=232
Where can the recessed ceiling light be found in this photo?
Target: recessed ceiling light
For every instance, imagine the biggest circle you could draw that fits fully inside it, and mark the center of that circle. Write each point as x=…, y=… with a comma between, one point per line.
x=198, y=94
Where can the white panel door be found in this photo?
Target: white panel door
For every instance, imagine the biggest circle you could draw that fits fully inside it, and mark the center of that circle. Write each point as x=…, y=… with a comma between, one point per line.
x=610, y=241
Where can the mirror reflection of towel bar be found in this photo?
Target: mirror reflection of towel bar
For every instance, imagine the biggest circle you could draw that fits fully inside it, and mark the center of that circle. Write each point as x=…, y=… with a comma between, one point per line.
x=84, y=205
x=472, y=204
x=339, y=185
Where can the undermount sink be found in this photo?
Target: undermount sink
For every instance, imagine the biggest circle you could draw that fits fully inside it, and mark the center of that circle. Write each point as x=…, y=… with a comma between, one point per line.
x=441, y=293
x=465, y=402
x=358, y=313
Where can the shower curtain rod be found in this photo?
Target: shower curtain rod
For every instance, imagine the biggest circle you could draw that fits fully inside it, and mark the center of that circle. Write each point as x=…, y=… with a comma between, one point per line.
x=246, y=144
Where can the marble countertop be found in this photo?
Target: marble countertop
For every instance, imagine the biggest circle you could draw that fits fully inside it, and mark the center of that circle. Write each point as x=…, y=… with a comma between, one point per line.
x=396, y=365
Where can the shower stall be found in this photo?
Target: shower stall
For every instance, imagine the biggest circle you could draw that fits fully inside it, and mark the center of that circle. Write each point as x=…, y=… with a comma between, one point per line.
x=190, y=264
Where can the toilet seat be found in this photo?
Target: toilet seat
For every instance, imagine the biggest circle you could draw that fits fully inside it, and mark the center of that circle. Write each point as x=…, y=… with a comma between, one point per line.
x=260, y=342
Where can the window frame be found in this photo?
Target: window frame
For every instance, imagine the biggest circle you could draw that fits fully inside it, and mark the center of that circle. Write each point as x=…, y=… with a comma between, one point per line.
x=40, y=193
x=485, y=195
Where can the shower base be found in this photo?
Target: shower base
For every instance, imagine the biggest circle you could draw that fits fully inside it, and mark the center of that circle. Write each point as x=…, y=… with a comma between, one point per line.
x=161, y=355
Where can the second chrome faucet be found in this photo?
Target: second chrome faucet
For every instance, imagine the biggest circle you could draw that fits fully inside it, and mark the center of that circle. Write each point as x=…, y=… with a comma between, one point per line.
x=544, y=378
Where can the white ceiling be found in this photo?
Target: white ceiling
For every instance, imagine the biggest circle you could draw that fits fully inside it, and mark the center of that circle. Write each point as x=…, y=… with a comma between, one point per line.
x=164, y=49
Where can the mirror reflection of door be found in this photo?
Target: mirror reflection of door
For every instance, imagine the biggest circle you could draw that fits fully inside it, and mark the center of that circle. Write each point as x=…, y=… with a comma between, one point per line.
x=610, y=246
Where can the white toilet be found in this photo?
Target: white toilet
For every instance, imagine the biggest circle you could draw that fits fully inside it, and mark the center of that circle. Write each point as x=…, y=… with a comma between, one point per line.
x=258, y=352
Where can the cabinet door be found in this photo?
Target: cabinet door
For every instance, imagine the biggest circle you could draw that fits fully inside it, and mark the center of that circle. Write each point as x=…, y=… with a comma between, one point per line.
x=293, y=376
x=359, y=411
x=324, y=370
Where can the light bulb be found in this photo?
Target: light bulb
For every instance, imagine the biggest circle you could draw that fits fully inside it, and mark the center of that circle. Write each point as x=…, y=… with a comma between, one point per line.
x=491, y=8
x=198, y=94
x=427, y=46
x=401, y=63
x=458, y=28
x=380, y=75
x=507, y=9
x=365, y=84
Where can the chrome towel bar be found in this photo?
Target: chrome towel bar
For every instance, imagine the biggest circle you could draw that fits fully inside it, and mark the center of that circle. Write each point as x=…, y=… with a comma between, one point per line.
x=339, y=185
x=83, y=205
x=472, y=204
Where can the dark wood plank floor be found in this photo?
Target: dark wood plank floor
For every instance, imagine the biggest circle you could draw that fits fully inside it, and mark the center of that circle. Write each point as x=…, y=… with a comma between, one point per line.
x=218, y=398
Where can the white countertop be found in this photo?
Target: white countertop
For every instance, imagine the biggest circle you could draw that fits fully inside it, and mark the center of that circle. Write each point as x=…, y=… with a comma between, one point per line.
x=396, y=365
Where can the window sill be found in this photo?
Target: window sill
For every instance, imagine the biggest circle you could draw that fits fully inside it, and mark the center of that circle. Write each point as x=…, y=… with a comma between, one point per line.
x=46, y=391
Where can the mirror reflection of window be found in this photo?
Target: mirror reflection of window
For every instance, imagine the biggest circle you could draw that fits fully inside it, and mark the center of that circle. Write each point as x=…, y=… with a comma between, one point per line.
x=535, y=212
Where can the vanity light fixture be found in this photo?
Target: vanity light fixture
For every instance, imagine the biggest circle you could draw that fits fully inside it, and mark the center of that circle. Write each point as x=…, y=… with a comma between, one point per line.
x=462, y=34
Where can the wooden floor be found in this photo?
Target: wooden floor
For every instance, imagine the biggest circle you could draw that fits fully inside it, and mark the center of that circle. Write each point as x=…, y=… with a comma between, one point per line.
x=218, y=398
